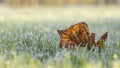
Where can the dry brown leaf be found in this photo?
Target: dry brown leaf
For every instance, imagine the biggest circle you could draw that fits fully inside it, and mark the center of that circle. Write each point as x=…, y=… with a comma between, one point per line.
x=78, y=34
x=102, y=39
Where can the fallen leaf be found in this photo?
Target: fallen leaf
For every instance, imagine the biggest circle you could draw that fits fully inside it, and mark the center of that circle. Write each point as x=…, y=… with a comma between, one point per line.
x=101, y=40
x=78, y=34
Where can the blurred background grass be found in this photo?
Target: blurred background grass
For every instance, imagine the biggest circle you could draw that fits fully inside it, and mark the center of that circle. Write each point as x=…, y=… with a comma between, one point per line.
x=59, y=9
x=59, y=2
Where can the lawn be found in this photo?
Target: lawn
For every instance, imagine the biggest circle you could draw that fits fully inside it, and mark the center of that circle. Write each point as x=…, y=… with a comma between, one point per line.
x=28, y=37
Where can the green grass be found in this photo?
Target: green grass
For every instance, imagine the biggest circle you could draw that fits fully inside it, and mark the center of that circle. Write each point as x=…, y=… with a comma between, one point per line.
x=28, y=39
